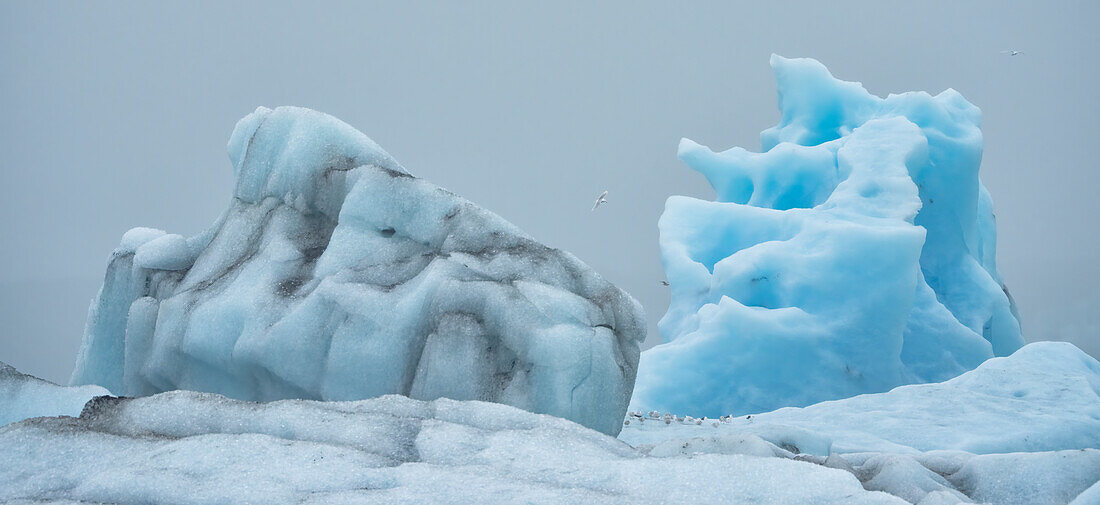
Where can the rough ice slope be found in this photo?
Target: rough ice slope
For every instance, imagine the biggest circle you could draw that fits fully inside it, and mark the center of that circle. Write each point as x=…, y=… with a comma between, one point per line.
x=198, y=448
x=853, y=255
x=337, y=275
x=1023, y=429
x=24, y=396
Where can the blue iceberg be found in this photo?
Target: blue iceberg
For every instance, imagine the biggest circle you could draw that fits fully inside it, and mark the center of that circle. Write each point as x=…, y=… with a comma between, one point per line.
x=856, y=253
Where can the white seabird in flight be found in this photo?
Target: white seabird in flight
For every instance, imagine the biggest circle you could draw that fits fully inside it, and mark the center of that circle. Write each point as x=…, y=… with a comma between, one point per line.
x=1012, y=52
x=600, y=199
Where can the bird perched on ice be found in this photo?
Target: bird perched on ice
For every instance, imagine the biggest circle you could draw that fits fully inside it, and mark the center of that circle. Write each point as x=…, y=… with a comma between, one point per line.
x=1012, y=52
x=600, y=199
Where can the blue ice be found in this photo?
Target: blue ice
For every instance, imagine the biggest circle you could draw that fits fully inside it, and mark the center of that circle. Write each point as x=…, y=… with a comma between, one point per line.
x=854, y=254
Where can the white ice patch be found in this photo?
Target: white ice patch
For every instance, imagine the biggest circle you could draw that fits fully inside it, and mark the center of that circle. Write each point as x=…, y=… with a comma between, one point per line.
x=168, y=252
x=137, y=237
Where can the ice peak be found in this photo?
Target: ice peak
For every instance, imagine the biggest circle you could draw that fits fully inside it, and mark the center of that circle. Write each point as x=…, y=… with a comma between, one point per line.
x=815, y=107
x=300, y=156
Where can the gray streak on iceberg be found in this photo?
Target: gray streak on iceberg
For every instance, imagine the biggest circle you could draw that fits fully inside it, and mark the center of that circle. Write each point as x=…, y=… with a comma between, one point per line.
x=337, y=275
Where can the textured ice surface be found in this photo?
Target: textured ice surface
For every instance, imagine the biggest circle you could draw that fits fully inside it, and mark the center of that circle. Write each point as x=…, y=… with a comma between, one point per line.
x=337, y=275
x=853, y=255
x=1023, y=429
x=23, y=396
x=1018, y=430
x=184, y=447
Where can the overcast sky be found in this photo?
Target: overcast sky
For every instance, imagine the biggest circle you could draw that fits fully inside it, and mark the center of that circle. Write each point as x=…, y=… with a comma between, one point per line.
x=116, y=114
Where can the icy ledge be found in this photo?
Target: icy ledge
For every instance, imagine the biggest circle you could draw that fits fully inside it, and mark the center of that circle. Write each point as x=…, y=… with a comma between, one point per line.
x=337, y=275
x=24, y=396
x=1024, y=430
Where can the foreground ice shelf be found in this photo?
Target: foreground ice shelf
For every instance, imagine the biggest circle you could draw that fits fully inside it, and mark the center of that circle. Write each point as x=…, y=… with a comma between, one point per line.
x=853, y=255
x=193, y=448
x=1023, y=430
x=337, y=275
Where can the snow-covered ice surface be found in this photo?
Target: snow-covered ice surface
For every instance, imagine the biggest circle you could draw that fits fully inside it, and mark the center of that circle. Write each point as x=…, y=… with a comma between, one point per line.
x=24, y=396
x=337, y=275
x=199, y=448
x=853, y=255
x=1023, y=429
x=1018, y=430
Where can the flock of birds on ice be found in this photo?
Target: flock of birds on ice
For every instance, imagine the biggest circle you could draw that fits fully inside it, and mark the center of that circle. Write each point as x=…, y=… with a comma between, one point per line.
x=669, y=418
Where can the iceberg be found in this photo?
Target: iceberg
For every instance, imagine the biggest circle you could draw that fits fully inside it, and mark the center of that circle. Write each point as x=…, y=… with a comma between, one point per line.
x=856, y=253
x=335, y=274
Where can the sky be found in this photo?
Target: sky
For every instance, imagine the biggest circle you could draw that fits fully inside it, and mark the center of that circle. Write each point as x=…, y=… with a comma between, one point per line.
x=116, y=114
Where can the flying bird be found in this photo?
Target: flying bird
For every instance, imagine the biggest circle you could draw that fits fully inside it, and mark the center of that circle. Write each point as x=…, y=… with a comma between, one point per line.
x=1012, y=52
x=600, y=199
x=664, y=283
